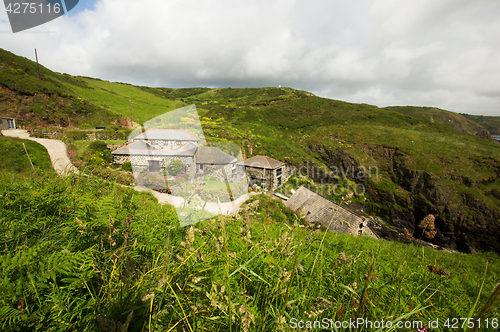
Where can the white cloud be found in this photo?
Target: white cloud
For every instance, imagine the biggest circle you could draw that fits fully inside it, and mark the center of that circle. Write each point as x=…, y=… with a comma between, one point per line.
x=425, y=52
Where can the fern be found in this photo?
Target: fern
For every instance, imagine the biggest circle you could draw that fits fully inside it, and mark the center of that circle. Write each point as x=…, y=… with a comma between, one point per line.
x=10, y=316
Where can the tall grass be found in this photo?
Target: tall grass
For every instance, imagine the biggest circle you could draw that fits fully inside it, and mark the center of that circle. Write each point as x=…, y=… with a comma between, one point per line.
x=83, y=254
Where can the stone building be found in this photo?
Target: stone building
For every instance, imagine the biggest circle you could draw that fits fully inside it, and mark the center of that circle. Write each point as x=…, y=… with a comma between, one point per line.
x=7, y=123
x=266, y=171
x=216, y=163
x=154, y=149
x=318, y=209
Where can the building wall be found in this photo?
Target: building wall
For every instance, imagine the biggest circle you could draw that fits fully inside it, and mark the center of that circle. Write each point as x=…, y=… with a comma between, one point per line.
x=7, y=123
x=189, y=162
x=220, y=172
x=270, y=177
x=168, y=145
x=120, y=160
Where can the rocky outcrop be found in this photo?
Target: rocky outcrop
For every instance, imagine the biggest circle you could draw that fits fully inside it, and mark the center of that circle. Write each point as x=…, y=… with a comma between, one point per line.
x=463, y=221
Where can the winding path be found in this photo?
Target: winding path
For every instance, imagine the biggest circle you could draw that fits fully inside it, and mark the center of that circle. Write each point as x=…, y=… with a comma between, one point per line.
x=62, y=164
x=55, y=148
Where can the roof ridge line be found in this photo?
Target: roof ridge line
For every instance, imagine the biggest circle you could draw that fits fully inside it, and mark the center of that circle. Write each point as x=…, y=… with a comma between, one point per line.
x=267, y=158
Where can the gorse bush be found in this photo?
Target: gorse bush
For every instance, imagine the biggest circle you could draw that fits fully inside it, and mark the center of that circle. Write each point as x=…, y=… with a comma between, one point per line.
x=82, y=254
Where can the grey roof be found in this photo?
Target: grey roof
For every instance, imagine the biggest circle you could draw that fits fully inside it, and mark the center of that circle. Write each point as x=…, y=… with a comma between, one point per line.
x=320, y=209
x=166, y=135
x=213, y=156
x=261, y=162
x=142, y=148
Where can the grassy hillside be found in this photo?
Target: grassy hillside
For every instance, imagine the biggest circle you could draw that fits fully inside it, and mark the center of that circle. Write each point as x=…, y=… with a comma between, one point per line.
x=453, y=120
x=288, y=124
x=116, y=97
x=14, y=158
x=492, y=123
x=427, y=163
x=48, y=100
x=87, y=255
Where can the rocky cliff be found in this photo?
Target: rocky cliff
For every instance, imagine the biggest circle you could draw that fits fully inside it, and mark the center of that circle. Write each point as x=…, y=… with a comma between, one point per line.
x=464, y=221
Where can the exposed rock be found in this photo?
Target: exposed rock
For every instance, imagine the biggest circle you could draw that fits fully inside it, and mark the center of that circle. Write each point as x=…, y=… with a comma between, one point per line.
x=463, y=222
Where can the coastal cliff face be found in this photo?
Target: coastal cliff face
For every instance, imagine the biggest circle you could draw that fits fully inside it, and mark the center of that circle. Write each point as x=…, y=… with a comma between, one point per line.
x=467, y=213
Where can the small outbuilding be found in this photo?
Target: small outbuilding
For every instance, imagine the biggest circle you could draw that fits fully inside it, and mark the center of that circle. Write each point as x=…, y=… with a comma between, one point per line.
x=7, y=123
x=318, y=209
x=266, y=171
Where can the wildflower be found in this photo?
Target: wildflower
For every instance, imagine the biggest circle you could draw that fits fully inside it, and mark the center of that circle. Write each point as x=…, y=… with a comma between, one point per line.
x=407, y=235
x=428, y=227
x=372, y=278
x=20, y=306
x=148, y=297
x=281, y=320
x=438, y=270
x=343, y=257
x=320, y=305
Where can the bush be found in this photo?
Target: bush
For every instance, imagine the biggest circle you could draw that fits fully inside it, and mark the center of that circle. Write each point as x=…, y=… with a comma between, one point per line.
x=97, y=160
x=127, y=166
x=100, y=149
x=175, y=167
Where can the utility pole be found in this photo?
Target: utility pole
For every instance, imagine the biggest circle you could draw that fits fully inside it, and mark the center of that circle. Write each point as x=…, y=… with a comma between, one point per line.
x=37, y=66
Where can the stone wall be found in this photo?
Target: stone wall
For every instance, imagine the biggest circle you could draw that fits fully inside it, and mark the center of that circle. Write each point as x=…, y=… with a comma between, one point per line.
x=120, y=160
x=168, y=145
x=270, y=177
x=189, y=162
x=220, y=172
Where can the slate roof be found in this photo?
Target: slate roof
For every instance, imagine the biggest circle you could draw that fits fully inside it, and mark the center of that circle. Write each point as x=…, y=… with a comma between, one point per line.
x=320, y=209
x=142, y=148
x=213, y=156
x=166, y=135
x=261, y=162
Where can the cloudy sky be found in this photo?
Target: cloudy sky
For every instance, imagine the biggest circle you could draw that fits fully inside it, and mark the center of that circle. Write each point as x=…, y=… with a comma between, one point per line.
x=442, y=53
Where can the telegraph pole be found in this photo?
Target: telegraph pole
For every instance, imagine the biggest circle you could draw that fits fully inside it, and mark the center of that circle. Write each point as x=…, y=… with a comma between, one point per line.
x=37, y=66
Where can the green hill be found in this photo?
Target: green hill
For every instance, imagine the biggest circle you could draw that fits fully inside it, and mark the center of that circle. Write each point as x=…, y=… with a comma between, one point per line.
x=453, y=120
x=426, y=163
x=492, y=123
x=48, y=100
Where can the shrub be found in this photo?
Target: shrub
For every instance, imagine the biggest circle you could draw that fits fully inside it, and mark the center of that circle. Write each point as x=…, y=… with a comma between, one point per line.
x=97, y=160
x=175, y=167
x=127, y=166
x=99, y=148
